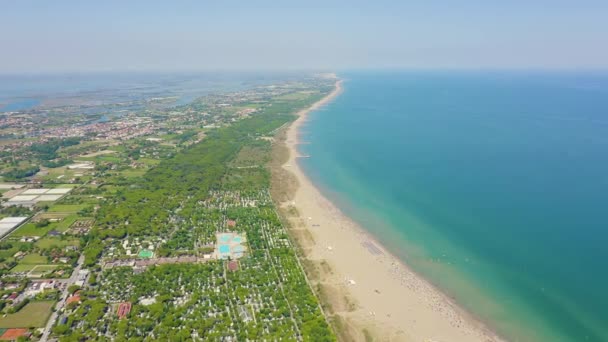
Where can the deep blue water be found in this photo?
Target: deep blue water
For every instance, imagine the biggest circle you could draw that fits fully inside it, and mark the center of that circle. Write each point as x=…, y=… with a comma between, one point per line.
x=494, y=185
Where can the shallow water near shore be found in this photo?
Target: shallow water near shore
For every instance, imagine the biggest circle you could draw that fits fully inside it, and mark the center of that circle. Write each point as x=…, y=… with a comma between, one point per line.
x=492, y=185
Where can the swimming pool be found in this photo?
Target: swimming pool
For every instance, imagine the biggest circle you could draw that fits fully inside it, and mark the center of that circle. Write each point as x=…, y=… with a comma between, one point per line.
x=230, y=245
x=224, y=249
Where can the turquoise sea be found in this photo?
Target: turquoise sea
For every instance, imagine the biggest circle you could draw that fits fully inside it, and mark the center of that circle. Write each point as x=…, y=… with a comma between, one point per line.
x=493, y=185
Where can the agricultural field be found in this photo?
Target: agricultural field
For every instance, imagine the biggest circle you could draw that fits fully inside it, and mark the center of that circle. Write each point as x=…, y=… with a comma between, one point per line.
x=23, y=268
x=49, y=242
x=34, y=314
x=67, y=222
x=133, y=173
x=34, y=259
x=67, y=208
x=39, y=271
x=42, y=242
x=59, y=174
x=31, y=229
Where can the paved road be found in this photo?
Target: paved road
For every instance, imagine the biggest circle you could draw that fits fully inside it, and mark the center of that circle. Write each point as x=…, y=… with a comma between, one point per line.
x=61, y=303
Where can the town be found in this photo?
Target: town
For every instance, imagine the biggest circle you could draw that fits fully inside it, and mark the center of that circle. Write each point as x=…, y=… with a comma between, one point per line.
x=128, y=225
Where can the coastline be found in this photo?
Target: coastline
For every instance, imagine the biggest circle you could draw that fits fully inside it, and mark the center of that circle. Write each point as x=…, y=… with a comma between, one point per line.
x=365, y=291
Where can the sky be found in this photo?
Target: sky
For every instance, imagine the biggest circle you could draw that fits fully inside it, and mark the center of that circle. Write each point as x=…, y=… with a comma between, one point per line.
x=57, y=36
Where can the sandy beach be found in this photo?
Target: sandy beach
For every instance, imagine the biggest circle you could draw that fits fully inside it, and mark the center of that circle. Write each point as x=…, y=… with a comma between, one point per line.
x=366, y=292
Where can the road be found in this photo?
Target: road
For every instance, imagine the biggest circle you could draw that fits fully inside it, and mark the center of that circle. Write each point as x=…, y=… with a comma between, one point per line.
x=61, y=303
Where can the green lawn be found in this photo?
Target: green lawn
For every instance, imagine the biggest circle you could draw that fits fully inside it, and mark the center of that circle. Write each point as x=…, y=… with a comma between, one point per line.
x=22, y=268
x=109, y=189
x=108, y=158
x=149, y=161
x=30, y=229
x=168, y=137
x=33, y=269
x=45, y=268
x=67, y=208
x=68, y=185
x=34, y=314
x=40, y=270
x=6, y=253
x=48, y=242
x=65, y=224
x=56, y=172
x=33, y=259
x=133, y=173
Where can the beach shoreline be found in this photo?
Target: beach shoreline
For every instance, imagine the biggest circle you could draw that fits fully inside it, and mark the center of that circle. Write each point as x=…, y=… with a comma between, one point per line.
x=365, y=290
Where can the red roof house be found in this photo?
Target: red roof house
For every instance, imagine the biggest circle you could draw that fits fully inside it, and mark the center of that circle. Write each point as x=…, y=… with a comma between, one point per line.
x=14, y=334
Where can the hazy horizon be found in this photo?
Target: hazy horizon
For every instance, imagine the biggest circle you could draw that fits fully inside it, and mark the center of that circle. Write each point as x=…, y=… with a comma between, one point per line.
x=183, y=36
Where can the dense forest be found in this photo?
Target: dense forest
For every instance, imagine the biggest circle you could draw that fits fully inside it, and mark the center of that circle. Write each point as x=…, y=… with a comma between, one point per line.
x=184, y=199
x=48, y=150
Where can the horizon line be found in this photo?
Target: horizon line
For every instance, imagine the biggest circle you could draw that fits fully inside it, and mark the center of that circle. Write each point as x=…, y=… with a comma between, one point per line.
x=300, y=70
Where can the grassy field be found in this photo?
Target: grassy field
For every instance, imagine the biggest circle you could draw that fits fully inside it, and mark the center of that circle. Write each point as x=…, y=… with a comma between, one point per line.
x=40, y=270
x=97, y=153
x=22, y=268
x=67, y=208
x=30, y=229
x=7, y=253
x=44, y=268
x=133, y=173
x=108, y=158
x=294, y=96
x=149, y=161
x=65, y=224
x=48, y=242
x=34, y=259
x=33, y=314
x=54, y=173
x=109, y=189
x=67, y=185
x=168, y=137
x=37, y=268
